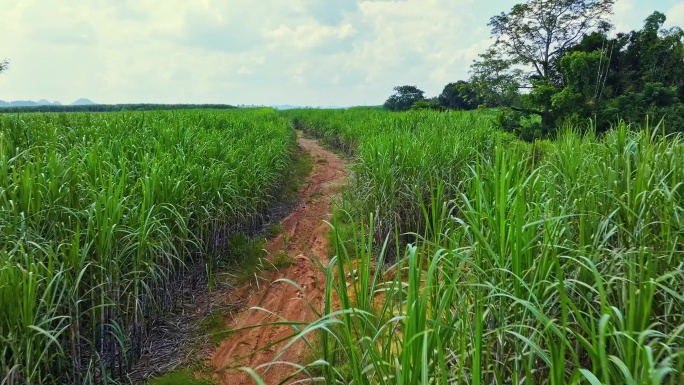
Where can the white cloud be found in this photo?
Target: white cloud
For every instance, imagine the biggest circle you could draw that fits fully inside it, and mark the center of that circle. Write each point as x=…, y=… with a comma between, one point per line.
x=412, y=42
x=309, y=35
x=310, y=52
x=675, y=15
x=625, y=19
x=630, y=14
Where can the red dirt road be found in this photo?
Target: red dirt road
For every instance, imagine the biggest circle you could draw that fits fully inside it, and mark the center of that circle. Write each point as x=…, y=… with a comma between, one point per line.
x=303, y=233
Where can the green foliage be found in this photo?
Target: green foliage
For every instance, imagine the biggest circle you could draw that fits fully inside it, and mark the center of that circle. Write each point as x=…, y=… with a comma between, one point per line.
x=655, y=100
x=583, y=95
x=427, y=105
x=655, y=55
x=180, y=377
x=283, y=261
x=274, y=230
x=102, y=214
x=459, y=96
x=301, y=166
x=541, y=94
x=403, y=98
x=215, y=326
x=525, y=126
x=580, y=69
x=627, y=77
x=249, y=254
x=494, y=79
x=641, y=76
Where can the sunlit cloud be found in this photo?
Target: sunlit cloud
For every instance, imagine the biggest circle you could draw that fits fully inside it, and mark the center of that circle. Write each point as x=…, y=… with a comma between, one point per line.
x=306, y=52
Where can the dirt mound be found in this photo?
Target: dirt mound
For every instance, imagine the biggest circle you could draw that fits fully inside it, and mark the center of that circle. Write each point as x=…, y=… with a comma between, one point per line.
x=303, y=233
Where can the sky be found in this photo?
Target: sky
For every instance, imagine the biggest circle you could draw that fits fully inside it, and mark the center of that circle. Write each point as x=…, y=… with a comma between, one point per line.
x=265, y=52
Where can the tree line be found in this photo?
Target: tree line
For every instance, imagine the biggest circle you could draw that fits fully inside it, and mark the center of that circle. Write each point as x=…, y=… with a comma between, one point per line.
x=557, y=63
x=113, y=108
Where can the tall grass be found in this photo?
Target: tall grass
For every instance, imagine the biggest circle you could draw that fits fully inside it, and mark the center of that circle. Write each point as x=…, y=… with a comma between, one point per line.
x=398, y=157
x=553, y=263
x=100, y=214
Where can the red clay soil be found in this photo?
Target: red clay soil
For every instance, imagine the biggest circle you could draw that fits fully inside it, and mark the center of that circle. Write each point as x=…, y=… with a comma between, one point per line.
x=303, y=233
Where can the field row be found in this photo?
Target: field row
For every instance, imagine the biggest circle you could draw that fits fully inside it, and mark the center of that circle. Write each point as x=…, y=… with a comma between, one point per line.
x=479, y=258
x=485, y=260
x=100, y=216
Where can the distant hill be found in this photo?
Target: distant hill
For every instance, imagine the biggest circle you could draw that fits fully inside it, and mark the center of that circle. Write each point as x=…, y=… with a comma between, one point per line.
x=83, y=102
x=29, y=103
x=85, y=107
x=19, y=103
x=285, y=107
x=43, y=102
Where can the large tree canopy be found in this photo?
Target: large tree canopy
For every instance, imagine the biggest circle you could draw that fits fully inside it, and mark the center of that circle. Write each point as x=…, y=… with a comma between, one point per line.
x=655, y=55
x=631, y=76
x=535, y=33
x=530, y=39
x=561, y=52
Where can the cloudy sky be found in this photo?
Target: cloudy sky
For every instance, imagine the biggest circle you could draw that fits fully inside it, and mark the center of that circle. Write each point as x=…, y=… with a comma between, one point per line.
x=304, y=52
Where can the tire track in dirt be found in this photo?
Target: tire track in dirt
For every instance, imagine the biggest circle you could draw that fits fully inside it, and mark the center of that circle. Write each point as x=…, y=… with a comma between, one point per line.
x=303, y=233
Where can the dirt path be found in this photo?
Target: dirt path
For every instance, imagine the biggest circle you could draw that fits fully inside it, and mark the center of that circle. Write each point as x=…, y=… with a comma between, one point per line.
x=303, y=233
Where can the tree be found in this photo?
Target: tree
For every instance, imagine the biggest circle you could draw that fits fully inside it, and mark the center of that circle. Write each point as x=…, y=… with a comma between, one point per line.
x=575, y=71
x=431, y=104
x=459, y=96
x=609, y=73
x=534, y=34
x=404, y=98
x=494, y=80
x=655, y=55
x=4, y=65
x=650, y=77
x=583, y=96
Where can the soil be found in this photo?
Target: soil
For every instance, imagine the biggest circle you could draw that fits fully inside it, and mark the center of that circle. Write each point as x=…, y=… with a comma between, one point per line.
x=304, y=236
